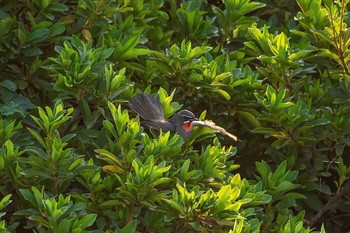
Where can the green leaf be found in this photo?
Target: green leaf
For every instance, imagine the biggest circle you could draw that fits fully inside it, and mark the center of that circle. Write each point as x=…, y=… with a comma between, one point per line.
x=38, y=137
x=265, y=130
x=5, y=201
x=59, y=7
x=175, y=205
x=299, y=54
x=106, y=53
x=250, y=6
x=6, y=24
x=184, y=168
x=132, y=53
x=87, y=221
x=33, y=52
x=321, y=121
x=279, y=143
x=38, y=34
x=280, y=171
x=131, y=43
x=22, y=36
x=9, y=85
x=89, y=4
x=292, y=195
x=285, y=186
x=223, y=94
x=57, y=29
x=280, y=96
x=282, y=42
x=249, y=119
x=262, y=168
x=109, y=155
x=271, y=95
x=75, y=163
x=238, y=226
x=28, y=195
x=64, y=226
x=129, y=228
x=112, y=203
x=324, y=35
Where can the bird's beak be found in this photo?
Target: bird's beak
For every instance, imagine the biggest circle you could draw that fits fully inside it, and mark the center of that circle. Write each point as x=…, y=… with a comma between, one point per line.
x=192, y=120
x=195, y=119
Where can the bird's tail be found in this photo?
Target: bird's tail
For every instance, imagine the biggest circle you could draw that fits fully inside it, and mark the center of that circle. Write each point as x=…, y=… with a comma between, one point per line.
x=148, y=107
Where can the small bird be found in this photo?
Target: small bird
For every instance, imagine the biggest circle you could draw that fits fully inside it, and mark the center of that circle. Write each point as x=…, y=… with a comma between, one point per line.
x=151, y=110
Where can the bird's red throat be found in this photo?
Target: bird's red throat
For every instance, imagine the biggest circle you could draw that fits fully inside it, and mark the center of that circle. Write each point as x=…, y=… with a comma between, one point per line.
x=186, y=126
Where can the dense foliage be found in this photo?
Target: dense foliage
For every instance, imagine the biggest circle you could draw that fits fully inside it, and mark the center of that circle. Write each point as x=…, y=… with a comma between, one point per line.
x=74, y=158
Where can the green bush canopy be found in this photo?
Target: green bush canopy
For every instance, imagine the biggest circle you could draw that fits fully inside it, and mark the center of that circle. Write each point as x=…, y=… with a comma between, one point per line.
x=75, y=158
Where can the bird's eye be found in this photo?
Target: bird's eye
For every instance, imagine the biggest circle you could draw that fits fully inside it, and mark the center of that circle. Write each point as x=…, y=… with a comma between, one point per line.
x=188, y=118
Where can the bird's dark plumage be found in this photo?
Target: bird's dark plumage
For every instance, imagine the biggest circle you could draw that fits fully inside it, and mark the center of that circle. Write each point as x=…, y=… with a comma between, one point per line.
x=151, y=110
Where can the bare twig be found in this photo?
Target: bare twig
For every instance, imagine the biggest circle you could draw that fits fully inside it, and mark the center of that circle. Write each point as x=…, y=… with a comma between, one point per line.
x=212, y=125
x=333, y=203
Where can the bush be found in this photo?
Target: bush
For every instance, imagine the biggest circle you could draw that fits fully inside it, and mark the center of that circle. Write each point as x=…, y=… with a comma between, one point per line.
x=74, y=158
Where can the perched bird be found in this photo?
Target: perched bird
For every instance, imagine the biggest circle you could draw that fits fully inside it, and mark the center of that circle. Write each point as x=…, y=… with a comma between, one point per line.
x=150, y=109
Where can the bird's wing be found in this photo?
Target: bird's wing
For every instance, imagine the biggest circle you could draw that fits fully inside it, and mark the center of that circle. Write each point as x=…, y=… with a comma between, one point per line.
x=165, y=126
x=151, y=110
x=212, y=125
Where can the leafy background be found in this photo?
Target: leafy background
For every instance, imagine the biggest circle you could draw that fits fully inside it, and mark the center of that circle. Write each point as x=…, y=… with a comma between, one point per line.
x=73, y=158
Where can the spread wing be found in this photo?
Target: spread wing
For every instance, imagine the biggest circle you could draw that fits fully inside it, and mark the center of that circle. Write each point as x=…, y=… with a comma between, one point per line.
x=212, y=125
x=165, y=126
x=148, y=107
x=151, y=110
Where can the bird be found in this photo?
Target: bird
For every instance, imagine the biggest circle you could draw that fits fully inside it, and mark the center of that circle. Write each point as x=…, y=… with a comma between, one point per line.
x=149, y=108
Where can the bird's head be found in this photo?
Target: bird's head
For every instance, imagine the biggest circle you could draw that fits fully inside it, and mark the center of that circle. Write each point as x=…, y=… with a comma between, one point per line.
x=183, y=119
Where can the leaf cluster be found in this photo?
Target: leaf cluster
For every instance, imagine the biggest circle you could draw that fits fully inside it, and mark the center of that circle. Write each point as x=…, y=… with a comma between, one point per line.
x=73, y=158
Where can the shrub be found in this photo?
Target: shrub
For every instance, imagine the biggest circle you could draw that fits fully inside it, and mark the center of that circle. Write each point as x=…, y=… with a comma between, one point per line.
x=73, y=158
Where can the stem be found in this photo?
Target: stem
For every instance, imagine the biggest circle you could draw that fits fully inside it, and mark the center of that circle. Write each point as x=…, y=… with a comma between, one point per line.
x=265, y=224
x=337, y=38
x=341, y=51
